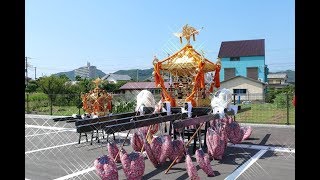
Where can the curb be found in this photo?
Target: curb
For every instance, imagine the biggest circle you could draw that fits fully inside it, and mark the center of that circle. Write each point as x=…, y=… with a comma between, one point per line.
x=267, y=125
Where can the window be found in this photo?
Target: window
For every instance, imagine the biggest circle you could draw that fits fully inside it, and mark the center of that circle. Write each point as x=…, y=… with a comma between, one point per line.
x=229, y=73
x=235, y=59
x=239, y=91
x=252, y=72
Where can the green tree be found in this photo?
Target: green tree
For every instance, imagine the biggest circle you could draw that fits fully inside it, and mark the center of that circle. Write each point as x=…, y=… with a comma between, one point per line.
x=281, y=100
x=52, y=86
x=78, y=78
x=110, y=87
x=288, y=89
x=85, y=85
x=63, y=76
x=32, y=86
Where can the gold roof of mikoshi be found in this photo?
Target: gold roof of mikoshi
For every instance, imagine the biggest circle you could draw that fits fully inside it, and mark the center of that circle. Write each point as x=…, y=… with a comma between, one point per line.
x=186, y=60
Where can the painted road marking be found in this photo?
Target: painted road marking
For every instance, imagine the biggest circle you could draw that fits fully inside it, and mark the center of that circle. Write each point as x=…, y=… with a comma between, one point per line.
x=76, y=174
x=259, y=147
x=245, y=166
x=48, y=127
x=42, y=116
x=68, y=144
x=73, y=130
x=52, y=147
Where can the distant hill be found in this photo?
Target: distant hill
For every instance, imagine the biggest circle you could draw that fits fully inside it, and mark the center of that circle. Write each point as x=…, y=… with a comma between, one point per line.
x=290, y=73
x=143, y=74
x=71, y=76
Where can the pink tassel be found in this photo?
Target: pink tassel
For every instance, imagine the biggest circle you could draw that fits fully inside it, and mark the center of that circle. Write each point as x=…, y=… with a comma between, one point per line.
x=247, y=130
x=136, y=142
x=162, y=147
x=191, y=169
x=106, y=168
x=133, y=165
x=150, y=154
x=209, y=143
x=224, y=137
x=177, y=150
x=204, y=162
x=234, y=132
x=113, y=151
x=215, y=144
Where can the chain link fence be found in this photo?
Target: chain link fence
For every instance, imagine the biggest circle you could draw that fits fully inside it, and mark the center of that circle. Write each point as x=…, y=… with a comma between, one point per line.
x=266, y=110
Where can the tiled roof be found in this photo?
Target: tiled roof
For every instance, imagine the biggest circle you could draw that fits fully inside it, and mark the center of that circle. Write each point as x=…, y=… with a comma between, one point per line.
x=277, y=76
x=242, y=48
x=118, y=77
x=141, y=85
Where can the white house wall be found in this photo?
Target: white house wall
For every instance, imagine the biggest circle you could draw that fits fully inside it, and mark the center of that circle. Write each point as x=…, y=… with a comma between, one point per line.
x=255, y=90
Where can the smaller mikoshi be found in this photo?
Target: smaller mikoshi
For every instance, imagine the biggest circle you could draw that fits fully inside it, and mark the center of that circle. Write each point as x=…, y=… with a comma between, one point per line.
x=97, y=101
x=187, y=69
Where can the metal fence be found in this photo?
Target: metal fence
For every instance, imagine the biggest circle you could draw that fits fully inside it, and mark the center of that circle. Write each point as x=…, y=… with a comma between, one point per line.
x=276, y=110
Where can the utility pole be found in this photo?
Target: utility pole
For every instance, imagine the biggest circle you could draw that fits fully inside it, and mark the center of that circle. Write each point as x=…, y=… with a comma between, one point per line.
x=26, y=69
x=35, y=73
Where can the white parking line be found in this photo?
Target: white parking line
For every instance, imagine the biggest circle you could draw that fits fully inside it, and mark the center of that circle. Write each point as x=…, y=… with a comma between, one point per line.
x=245, y=166
x=75, y=174
x=259, y=147
x=52, y=147
x=48, y=127
x=72, y=130
x=38, y=116
x=68, y=144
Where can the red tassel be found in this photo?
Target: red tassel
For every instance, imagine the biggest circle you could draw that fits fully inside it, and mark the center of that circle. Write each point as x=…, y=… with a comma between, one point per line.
x=217, y=77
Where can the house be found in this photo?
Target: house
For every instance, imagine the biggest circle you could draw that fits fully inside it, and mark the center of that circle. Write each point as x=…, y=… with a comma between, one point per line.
x=278, y=80
x=245, y=89
x=165, y=78
x=131, y=89
x=243, y=58
x=113, y=78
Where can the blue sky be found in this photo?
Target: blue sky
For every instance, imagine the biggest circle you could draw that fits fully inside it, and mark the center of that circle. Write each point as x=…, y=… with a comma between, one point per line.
x=62, y=35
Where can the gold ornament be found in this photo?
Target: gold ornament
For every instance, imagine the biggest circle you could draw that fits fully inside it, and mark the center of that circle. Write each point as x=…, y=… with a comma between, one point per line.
x=187, y=32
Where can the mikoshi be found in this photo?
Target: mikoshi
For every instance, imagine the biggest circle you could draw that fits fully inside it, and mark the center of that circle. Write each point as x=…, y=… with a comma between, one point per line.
x=97, y=101
x=187, y=70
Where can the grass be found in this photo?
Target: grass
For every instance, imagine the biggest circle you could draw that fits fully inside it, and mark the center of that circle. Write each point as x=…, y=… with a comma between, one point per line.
x=266, y=114
x=58, y=110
